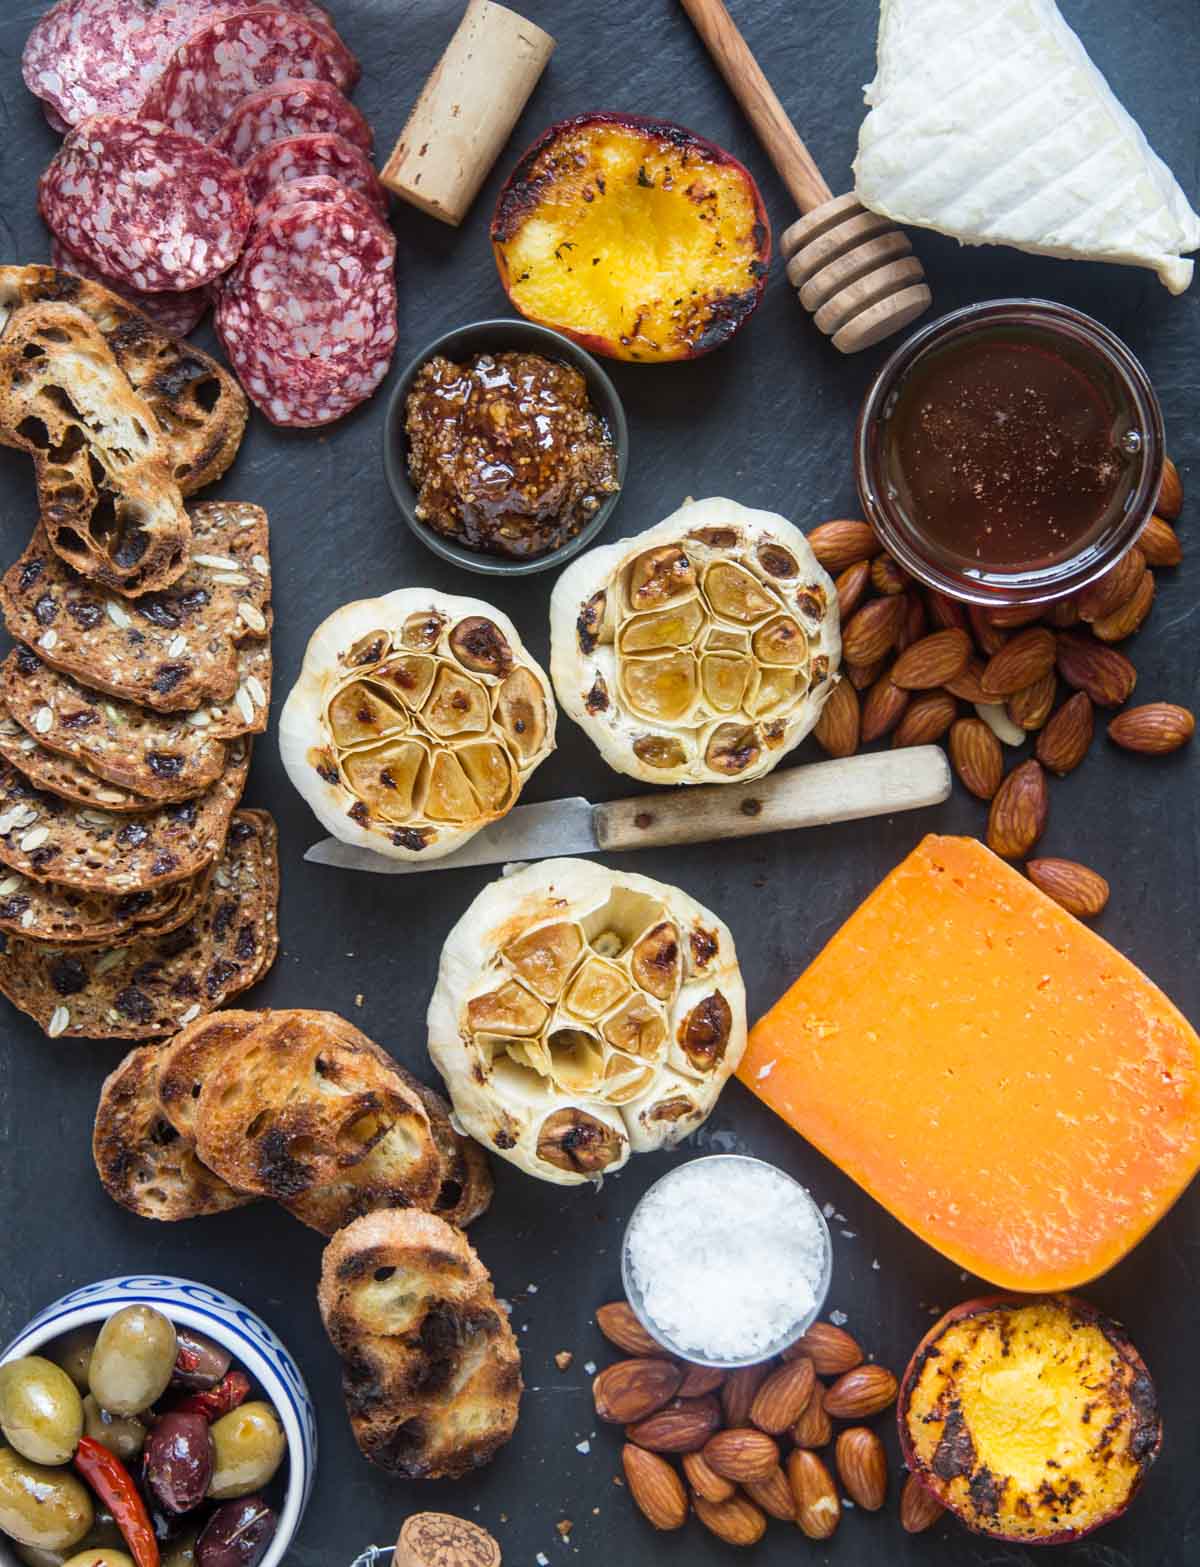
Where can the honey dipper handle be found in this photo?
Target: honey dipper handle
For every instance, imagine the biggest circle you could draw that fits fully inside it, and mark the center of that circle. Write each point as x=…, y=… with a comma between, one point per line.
x=744, y=76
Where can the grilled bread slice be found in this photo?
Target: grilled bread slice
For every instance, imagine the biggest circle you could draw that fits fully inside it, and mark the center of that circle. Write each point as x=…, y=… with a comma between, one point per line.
x=191, y=1056
x=431, y=1368
x=466, y=1188
x=108, y=498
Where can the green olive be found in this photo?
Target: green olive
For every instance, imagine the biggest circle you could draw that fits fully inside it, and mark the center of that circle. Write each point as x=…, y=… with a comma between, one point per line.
x=124, y=1435
x=73, y=1352
x=100, y=1558
x=133, y=1360
x=48, y=1508
x=249, y=1446
x=181, y=1552
x=103, y=1533
x=41, y=1412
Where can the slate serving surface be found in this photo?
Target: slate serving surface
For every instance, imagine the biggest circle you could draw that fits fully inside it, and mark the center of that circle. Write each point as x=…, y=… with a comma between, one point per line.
x=768, y=421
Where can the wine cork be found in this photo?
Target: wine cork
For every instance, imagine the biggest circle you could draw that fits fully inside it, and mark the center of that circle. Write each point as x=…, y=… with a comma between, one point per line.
x=467, y=110
x=441, y=1540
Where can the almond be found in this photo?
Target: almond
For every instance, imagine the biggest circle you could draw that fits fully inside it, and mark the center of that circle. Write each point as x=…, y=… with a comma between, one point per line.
x=698, y=1380
x=1081, y=892
x=840, y=544
x=656, y=1489
x=967, y=686
x=946, y=614
x=1153, y=729
x=738, y=1390
x=621, y=1327
x=913, y=624
x=932, y=661
x=989, y=637
x=1101, y=597
x=888, y=576
x=1009, y=617
x=783, y=1397
x=861, y=1393
x=976, y=757
x=1062, y=613
x=1017, y=818
x=861, y=676
x=1106, y=675
x=684, y=1426
x=814, y=1427
x=1064, y=742
x=837, y=729
x=737, y=1521
x=831, y=1349
x=927, y=719
x=706, y=1482
x=1127, y=618
x=1022, y=660
x=818, y=1511
x=632, y=1389
x=1170, y=493
x=1031, y=707
x=919, y=1508
x=741, y=1454
x=862, y=1465
x=774, y=1496
x=883, y=709
x=851, y=584
x=1159, y=543
x=871, y=631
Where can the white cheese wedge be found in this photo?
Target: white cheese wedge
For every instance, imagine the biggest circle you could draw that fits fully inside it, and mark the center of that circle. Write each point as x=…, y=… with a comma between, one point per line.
x=989, y=122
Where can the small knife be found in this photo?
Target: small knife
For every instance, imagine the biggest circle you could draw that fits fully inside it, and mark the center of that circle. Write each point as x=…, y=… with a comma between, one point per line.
x=811, y=796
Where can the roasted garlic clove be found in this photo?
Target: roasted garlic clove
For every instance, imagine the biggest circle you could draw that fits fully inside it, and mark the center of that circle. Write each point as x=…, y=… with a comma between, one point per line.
x=662, y=689
x=777, y=561
x=521, y=713
x=389, y=779
x=775, y=690
x=449, y=797
x=780, y=641
x=725, y=680
x=637, y=1027
x=491, y=774
x=546, y=956
x=578, y=1143
x=735, y=595
x=509, y=1010
x=410, y=677
x=655, y=963
x=479, y=644
x=667, y=628
x=733, y=749
x=659, y=576
x=625, y=1080
x=660, y=752
x=576, y=1060
x=457, y=705
x=361, y=712
x=422, y=631
x=704, y=1035
x=596, y=989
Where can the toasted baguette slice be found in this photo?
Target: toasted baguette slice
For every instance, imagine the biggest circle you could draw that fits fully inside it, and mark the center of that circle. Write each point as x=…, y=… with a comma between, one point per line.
x=191, y=1056
x=108, y=498
x=200, y=408
x=143, y=1162
x=431, y=1369
x=466, y=1187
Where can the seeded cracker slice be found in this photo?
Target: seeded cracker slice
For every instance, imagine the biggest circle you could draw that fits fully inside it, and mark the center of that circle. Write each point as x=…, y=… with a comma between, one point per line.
x=148, y=989
x=199, y=406
x=69, y=779
x=62, y=916
x=169, y=650
x=143, y=1162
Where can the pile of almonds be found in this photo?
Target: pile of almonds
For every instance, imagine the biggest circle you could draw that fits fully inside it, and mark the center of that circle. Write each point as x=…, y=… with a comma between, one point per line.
x=749, y=1441
x=912, y=657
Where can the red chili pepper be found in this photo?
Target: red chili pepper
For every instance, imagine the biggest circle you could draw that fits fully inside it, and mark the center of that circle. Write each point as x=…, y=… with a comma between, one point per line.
x=115, y=1487
x=232, y=1390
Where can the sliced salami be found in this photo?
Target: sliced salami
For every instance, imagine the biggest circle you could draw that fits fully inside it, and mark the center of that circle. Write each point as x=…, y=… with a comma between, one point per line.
x=235, y=55
x=177, y=313
x=297, y=157
x=308, y=316
x=88, y=57
x=292, y=107
x=145, y=205
x=325, y=191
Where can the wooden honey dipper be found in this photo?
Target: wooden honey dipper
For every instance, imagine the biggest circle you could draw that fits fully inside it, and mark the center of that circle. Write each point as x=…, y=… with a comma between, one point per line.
x=854, y=270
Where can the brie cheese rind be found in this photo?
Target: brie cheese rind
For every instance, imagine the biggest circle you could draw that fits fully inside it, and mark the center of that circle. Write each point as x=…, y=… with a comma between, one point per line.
x=583, y=1014
x=700, y=651
x=989, y=122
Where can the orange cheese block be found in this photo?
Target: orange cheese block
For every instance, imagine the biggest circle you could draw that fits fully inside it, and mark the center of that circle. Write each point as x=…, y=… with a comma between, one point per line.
x=994, y=1073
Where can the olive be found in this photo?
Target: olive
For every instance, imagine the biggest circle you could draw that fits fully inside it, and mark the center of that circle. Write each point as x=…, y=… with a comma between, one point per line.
x=100, y=1558
x=250, y=1445
x=237, y=1535
x=33, y=1556
x=133, y=1360
x=124, y=1435
x=179, y=1461
x=199, y=1362
x=41, y=1412
x=103, y=1533
x=49, y=1508
x=181, y=1552
x=73, y=1352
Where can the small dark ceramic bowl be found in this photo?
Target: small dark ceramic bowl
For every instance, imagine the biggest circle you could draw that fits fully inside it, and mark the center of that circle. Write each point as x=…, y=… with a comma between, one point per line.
x=497, y=337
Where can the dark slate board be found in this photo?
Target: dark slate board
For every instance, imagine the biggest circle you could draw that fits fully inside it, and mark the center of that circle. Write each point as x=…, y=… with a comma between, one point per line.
x=768, y=421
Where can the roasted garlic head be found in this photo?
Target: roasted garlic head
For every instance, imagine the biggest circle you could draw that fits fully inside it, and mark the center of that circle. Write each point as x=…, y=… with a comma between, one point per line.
x=416, y=720
x=701, y=651
x=582, y=1014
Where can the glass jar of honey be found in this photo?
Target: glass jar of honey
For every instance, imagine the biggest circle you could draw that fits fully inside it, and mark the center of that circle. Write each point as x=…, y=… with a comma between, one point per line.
x=1010, y=452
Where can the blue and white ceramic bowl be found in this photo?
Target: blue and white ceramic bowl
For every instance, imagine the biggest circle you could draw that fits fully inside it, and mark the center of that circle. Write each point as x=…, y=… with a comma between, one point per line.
x=248, y=1339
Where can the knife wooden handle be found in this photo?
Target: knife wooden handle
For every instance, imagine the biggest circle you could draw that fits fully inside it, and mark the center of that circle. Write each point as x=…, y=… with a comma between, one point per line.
x=812, y=796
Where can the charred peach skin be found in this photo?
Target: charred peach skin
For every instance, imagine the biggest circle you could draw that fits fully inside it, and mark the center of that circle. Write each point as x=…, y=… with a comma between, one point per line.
x=1031, y=1417
x=635, y=237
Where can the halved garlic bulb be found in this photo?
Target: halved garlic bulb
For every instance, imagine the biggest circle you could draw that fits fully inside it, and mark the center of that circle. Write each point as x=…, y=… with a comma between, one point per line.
x=582, y=1014
x=416, y=720
x=701, y=651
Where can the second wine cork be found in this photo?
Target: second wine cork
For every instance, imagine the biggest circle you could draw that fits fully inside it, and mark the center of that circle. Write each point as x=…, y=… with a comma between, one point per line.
x=467, y=110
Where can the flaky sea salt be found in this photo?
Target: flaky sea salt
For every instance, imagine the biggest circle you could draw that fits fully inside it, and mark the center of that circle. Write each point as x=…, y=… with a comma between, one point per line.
x=727, y=1255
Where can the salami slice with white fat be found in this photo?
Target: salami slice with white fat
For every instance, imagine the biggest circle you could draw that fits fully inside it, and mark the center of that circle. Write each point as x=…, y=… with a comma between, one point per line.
x=308, y=316
x=146, y=205
x=292, y=107
x=298, y=157
x=235, y=55
x=177, y=313
x=325, y=191
x=88, y=57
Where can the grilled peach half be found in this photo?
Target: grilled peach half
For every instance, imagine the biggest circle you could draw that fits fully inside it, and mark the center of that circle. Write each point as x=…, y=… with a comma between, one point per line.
x=1033, y=1418
x=635, y=237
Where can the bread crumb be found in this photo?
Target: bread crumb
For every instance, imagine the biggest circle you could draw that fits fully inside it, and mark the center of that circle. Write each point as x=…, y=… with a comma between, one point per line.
x=564, y=1527
x=358, y=1000
x=564, y=1360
